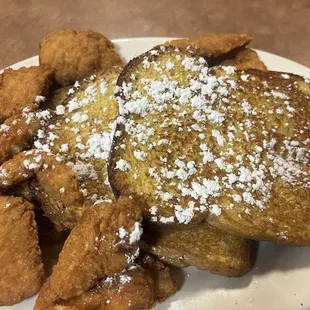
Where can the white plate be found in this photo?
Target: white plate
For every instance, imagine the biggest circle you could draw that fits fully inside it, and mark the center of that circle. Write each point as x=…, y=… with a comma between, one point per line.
x=280, y=278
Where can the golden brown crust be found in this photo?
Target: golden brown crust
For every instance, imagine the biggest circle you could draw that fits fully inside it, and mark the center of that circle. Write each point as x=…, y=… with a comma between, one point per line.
x=21, y=94
x=213, y=45
x=245, y=59
x=74, y=55
x=82, y=146
x=19, y=89
x=61, y=198
x=17, y=135
x=137, y=293
x=204, y=247
x=104, y=243
x=222, y=49
x=138, y=287
x=21, y=272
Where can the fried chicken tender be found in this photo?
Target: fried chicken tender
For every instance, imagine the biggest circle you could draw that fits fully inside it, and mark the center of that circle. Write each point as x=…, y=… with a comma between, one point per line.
x=58, y=182
x=17, y=132
x=213, y=45
x=132, y=289
x=138, y=287
x=245, y=59
x=21, y=93
x=23, y=88
x=16, y=136
x=105, y=242
x=74, y=55
x=21, y=272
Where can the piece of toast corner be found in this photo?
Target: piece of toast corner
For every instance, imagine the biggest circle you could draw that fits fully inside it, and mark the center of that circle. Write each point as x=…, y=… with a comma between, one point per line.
x=204, y=247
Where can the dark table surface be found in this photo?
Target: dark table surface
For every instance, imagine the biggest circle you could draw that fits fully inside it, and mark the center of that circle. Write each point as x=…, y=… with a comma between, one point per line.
x=279, y=26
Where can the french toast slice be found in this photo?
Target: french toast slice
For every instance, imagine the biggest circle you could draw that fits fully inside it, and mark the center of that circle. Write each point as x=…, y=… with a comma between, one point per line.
x=82, y=130
x=232, y=146
x=204, y=247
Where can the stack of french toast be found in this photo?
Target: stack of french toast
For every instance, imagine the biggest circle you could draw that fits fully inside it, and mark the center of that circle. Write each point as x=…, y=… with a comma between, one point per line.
x=180, y=157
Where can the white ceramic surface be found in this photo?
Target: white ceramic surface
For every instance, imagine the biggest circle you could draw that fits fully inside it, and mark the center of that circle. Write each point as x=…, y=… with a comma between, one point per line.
x=280, y=279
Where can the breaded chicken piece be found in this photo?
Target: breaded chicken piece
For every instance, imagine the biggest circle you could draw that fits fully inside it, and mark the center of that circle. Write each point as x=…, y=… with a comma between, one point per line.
x=245, y=59
x=74, y=55
x=21, y=272
x=58, y=182
x=213, y=45
x=23, y=88
x=21, y=93
x=138, y=287
x=132, y=289
x=81, y=134
x=18, y=131
x=105, y=242
x=16, y=135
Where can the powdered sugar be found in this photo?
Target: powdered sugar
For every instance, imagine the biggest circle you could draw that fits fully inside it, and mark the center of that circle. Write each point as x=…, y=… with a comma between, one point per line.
x=206, y=137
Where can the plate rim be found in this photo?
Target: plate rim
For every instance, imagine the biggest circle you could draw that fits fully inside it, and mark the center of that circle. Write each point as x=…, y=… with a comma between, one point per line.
x=155, y=38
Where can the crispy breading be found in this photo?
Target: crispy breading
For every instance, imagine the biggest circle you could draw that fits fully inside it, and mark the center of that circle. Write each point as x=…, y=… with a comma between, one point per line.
x=59, y=184
x=17, y=132
x=245, y=59
x=74, y=55
x=213, y=45
x=219, y=143
x=138, y=287
x=21, y=93
x=21, y=272
x=80, y=135
x=104, y=243
x=22, y=88
x=132, y=289
x=204, y=247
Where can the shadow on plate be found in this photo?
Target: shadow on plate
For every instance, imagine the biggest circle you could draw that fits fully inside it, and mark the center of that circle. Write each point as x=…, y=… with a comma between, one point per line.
x=272, y=257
